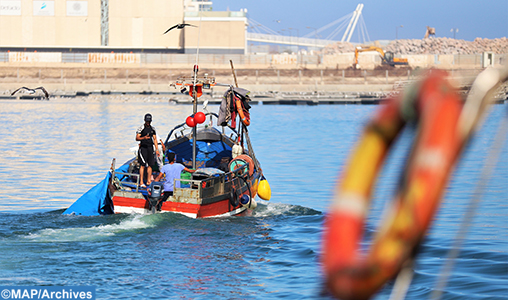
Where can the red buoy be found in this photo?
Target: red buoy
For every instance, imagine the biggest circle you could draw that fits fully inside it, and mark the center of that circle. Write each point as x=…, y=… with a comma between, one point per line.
x=190, y=121
x=199, y=117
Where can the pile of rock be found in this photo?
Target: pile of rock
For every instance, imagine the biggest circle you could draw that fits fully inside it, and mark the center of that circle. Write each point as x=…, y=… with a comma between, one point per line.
x=339, y=47
x=431, y=46
x=448, y=46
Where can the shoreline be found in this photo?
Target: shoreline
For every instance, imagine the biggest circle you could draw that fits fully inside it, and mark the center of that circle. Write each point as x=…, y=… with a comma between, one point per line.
x=76, y=80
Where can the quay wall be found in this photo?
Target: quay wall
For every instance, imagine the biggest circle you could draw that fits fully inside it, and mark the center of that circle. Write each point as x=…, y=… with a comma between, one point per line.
x=367, y=61
x=157, y=80
x=152, y=72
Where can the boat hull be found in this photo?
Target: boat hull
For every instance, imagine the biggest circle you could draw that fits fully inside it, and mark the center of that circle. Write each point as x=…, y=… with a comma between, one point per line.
x=188, y=202
x=222, y=208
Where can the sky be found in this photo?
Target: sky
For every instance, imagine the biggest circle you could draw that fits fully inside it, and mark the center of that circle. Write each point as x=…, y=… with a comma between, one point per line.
x=383, y=19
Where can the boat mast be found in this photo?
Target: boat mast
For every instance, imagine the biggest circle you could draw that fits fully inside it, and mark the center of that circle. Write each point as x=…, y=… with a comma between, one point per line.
x=195, y=93
x=194, y=111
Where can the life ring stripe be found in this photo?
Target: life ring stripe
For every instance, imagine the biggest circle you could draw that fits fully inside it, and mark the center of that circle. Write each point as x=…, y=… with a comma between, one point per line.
x=351, y=204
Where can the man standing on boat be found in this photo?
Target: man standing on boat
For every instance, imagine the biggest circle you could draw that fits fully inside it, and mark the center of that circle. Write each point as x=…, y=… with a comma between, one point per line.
x=171, y=171
x=147, y=139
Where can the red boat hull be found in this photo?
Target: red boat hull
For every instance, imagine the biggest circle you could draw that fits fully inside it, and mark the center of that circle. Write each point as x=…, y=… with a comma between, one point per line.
x=216, y=209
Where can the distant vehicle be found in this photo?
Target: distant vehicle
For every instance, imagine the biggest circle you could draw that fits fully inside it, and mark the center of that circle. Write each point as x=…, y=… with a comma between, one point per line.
x=387, y=57
x=430, y=31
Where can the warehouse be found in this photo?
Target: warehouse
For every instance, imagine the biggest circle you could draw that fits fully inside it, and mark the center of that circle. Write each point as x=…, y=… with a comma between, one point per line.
x=118, y=26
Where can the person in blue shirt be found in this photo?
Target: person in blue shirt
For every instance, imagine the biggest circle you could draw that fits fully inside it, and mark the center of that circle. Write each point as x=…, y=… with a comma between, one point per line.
x=171, y=171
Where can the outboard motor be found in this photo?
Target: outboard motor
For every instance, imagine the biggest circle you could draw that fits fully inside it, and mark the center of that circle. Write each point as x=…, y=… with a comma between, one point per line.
x=155, y=193
x=247, y=201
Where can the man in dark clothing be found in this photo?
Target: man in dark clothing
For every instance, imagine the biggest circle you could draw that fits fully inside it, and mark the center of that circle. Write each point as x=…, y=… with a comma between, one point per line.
x=147, y=139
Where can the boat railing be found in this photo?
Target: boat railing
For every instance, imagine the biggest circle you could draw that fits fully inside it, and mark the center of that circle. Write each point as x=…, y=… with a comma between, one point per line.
x=205, y=188
x=212, y=186
x=126, y=184
x=119, y=182
x=191, y=188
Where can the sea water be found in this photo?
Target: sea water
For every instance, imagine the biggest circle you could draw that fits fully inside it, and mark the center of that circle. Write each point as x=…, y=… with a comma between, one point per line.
x=54, y=151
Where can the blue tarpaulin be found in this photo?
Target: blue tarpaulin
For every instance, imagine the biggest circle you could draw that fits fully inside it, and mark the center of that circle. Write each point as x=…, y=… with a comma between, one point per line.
x=96, y=201
x=93, y=202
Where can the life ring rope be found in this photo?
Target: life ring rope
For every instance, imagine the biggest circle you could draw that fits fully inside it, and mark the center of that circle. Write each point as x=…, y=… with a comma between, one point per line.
x=436, y=107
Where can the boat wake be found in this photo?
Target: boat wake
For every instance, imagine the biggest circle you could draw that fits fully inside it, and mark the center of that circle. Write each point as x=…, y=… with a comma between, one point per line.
x=131, y=223
x=45, y=228
x=283, y=209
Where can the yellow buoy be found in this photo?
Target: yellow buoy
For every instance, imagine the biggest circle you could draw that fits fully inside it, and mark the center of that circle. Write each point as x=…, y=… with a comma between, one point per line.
x=264, y=191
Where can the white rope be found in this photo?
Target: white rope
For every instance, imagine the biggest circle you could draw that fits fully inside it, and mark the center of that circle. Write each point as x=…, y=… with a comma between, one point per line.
x=263, y=27
x=487, y=170
x=478, y=99
x=344, y=19
x=363, y=27
x=403, y=281
x=474, y=109
x=336, y=31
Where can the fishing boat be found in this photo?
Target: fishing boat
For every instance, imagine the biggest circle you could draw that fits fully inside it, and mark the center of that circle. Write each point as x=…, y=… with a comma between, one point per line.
x=228, y=176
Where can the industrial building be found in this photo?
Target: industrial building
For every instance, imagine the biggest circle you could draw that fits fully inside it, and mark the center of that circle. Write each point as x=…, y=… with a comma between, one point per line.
x=119, y=26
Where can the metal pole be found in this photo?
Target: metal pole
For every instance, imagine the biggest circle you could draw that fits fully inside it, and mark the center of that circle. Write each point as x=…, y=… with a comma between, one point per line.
x=194, y=130
x=194, y=111
x=233, y=71
x=350, y=23
x=104, y=22
x=360, y=7
x=397, y=31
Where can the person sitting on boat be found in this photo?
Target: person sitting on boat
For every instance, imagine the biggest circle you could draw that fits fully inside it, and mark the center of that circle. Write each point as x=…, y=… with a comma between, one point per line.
x=171, y=171
x=146, y=157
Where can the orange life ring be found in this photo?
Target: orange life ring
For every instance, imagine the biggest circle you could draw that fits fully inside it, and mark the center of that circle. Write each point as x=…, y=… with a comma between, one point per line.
x=437, y=106
x=239, y=109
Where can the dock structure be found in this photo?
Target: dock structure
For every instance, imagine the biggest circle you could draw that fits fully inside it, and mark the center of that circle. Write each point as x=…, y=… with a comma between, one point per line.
x=300, y=98
x=257, y=98
x=264, y=98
